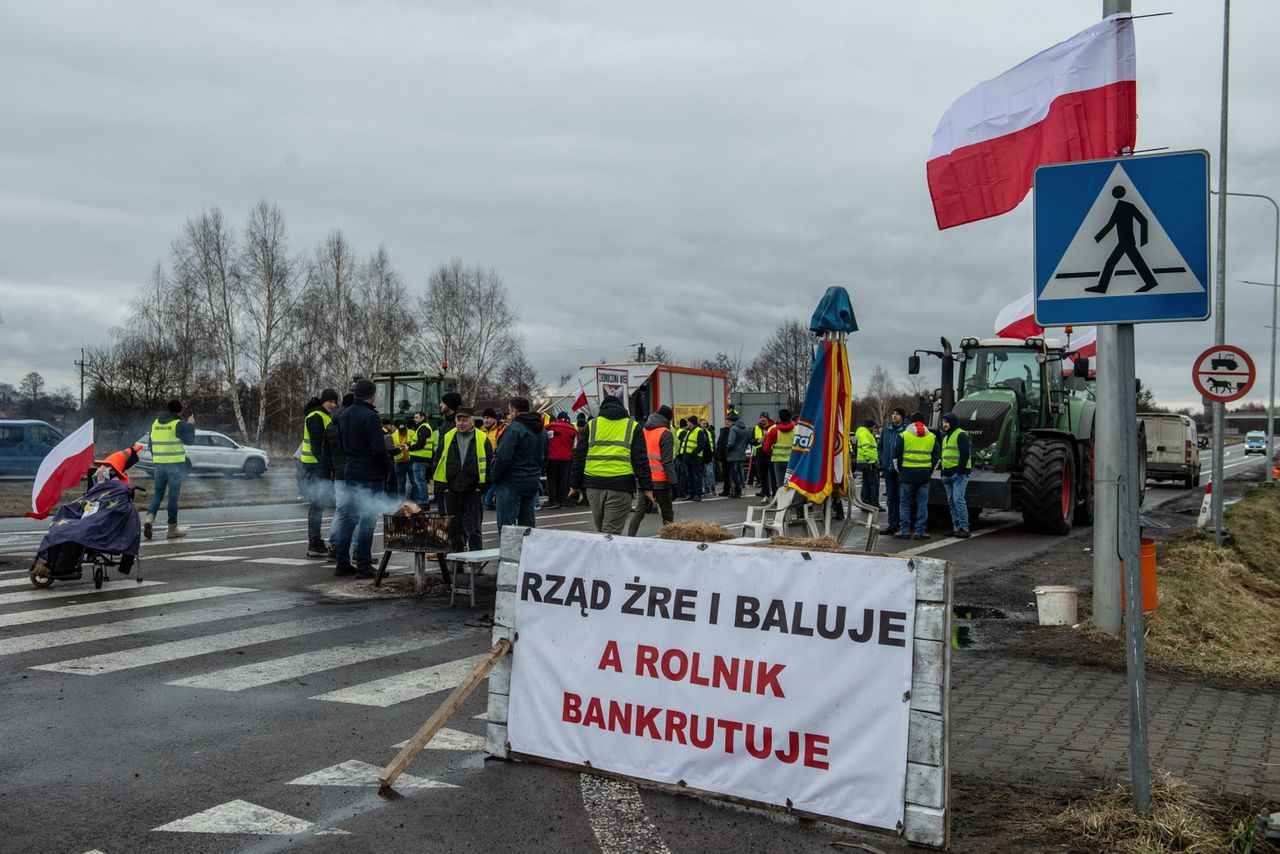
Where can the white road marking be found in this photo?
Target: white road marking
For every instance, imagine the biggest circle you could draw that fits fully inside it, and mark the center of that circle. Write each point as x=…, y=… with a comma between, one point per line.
x=288, y=561
x=201, y=558
x=947, y=541
x=240, y=817
x=128, y=604
x=291, y=667
x=83, y=588
x=137, y=626
x=14, y=582
x=406, y=686
x=451, y=739
x=354, y=773
x=126, y=659
x=618, y=818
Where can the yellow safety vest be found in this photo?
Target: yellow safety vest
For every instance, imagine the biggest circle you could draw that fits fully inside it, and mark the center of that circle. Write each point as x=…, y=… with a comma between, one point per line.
x=609, y=447
x=866, y=445
x=424, y=453
x=397, y=440
x=759, y=434
x=166, y=447
x=951, y=450
x=917, y=451
x=782, y=446
x=689, y=441
x=481, y=443
x=309, y=453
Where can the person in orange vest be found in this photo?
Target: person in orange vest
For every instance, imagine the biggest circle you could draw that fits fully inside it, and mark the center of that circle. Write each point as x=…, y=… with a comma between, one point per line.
x=661, y=448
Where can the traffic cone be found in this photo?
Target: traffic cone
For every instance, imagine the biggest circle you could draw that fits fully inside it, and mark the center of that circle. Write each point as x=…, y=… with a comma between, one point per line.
x=1203, y=518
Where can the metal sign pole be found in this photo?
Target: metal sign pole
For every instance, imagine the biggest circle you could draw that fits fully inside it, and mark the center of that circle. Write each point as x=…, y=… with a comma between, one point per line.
x=1220, y=301
x=1109, y=437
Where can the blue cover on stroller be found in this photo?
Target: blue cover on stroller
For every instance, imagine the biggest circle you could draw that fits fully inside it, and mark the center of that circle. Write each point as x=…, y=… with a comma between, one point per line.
x=104, y=519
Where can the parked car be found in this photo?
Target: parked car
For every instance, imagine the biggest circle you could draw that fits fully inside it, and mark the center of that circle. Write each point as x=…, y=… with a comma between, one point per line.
x=214, y=452
x=24, y=444
x=1173, y=447
x=1255, y=442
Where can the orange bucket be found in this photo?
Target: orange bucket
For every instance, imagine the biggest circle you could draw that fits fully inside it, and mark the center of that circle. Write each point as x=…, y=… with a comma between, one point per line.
x=1147, y=551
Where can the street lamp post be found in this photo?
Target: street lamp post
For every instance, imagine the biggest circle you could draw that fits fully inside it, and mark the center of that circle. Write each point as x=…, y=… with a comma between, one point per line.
x=1275, y=283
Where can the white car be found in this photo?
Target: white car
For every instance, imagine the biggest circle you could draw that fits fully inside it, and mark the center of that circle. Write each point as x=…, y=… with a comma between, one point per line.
x=214, y=452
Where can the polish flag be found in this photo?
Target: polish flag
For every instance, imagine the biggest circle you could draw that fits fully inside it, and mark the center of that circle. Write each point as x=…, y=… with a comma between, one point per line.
x=63, y=468
x=580, y=401
x=1075, y=101
x=1017, y=320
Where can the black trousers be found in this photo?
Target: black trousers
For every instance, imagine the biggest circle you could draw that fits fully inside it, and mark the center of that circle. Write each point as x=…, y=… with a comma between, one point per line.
x=558, y=481
x=468, y=513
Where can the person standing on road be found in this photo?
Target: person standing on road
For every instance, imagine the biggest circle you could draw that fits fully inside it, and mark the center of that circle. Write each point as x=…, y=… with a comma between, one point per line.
x=761, y=465
x=401, y=439
x=777, y=444
x=722, y=463
x=317, y=487
x=170, y=436
x=449, y=403
x=333, y=460
x=917, y=454
x=868, y=458
x=420, y=458
x=462, y=468
x=889, y=445
x=735, y=454
x=709, y=459
x=516, y=470
x=366, y=468
x=609, y=464
x=660, y=451
x=956, y=465
x=694, y=446
x=560, y=439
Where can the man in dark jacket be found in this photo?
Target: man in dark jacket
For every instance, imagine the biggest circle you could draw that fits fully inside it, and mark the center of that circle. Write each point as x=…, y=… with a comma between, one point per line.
x=660, y=449
x=560, y=439
x=735, y=454
x=365, y=470
x=956, y=464
x=169, y=438
x=516, y=470
x=449, y=403
x=334, y=463
x=461, y=474
x=889, y=445
x=316, y=485
x=721, y=463
x=608, y=465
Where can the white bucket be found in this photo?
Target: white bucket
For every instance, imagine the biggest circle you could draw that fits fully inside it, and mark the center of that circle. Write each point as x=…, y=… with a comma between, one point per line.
x=1056, y=605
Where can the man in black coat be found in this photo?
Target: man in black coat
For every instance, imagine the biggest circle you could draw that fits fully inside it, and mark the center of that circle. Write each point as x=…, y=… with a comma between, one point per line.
x=365, y=472
x=464, y=474
x=516, y=470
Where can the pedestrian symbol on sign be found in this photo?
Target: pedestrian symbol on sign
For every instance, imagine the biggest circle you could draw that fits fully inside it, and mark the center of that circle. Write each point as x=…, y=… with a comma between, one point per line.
x=1122, y=219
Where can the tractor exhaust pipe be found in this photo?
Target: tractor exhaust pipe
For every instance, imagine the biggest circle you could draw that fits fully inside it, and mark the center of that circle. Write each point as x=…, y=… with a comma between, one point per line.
x=948, y=378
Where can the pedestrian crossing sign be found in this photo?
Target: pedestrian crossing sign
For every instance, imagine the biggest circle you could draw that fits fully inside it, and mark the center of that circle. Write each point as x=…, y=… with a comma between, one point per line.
x=1123, y=240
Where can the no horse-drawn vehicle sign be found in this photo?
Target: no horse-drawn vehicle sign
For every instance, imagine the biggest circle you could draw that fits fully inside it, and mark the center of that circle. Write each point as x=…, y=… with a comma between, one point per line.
x=1224, y=373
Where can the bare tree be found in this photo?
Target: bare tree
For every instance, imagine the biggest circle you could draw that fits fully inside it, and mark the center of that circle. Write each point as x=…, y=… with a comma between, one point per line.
x=206, y=253
x=518, y=376
x=881, y=393
x=328, y=316
x=784, y=362
x=732, y=365
x=384, y=315
x=32, y=388
x=467, y=320
x=659, y=354
x=269, y=283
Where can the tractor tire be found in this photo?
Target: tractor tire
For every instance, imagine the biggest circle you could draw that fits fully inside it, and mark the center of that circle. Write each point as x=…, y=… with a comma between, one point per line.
x=1048, y=494
x=1084, y=509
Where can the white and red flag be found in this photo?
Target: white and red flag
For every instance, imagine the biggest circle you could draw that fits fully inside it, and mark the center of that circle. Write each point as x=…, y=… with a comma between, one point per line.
x=1075, y=101
x=1017, y=320
x=63, y=468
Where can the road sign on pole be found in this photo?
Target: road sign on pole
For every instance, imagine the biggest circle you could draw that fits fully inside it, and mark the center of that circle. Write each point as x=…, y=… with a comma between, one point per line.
x=1124, y=240
x=1223, y=374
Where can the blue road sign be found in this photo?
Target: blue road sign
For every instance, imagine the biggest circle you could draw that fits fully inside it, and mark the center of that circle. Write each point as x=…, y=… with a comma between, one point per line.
x=1124, y=240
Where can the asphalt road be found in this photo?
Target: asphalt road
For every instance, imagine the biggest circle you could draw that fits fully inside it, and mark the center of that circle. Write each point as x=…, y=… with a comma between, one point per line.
x=243, y=699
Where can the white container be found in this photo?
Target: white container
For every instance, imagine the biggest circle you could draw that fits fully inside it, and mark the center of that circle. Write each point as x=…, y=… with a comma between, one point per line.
x=1056, y=604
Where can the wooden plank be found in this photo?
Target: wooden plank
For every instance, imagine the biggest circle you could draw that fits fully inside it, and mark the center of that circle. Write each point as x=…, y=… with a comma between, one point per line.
x=924, y=785
x=924, y=739
x=925, y=826
x=930, y=621
x=926, y=676
x=931, y=576
x=442, y=714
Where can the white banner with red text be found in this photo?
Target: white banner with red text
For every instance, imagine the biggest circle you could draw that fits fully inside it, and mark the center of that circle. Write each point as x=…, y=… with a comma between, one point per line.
x=775, y=675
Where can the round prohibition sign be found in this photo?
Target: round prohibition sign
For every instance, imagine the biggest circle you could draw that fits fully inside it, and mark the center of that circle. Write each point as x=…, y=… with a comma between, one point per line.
x=1223, y=374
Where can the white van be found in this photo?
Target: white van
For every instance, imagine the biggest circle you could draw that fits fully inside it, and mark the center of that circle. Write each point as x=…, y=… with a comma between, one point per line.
x=1173, y=448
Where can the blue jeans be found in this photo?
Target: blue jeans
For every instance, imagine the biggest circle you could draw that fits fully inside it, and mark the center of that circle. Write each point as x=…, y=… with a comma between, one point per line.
x=339, y=511
x=891, y=498
x=954, y=486
x=168, y=477
x=404, y=475
x=362, y=503
x=709, y=481
x=514, y=509
x=316, y=489
x=917, y=495
x=736, y=476
x=419, y=474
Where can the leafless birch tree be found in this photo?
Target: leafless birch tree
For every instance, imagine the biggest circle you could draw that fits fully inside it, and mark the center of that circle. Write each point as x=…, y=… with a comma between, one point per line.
x=270, y=287
x=466, y=317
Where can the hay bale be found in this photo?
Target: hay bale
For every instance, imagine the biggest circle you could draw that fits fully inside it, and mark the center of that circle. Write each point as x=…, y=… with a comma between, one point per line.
x=696, y=532
x=825, y=543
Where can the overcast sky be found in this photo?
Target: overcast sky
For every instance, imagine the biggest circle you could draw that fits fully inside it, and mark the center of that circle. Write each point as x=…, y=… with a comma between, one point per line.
x=684, y=174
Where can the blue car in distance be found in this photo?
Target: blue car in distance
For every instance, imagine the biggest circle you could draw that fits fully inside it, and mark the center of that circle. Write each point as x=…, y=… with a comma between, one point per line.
x=24, y=444
x=1255, y=442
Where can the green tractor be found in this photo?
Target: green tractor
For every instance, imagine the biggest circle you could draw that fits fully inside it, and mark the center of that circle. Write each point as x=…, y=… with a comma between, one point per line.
x=402, y=393
x=1030, y=425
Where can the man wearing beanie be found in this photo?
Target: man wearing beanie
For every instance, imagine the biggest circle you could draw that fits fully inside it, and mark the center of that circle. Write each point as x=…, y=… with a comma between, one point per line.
x=366, y=469
x=316, y=487
x=450, y=401
x=170, y=436
x=609, y=464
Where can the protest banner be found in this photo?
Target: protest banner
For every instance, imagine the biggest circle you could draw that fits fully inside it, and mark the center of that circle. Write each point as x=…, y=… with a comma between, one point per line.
x=615, y=382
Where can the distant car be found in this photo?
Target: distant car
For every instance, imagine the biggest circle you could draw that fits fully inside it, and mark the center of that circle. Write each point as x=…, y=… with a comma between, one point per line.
x=1173, y=447
x=214, y=452
x=1255, y=442
x=24, y=444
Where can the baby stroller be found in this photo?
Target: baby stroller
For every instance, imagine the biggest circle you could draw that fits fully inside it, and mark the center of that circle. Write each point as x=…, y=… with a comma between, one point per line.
x=96, y=530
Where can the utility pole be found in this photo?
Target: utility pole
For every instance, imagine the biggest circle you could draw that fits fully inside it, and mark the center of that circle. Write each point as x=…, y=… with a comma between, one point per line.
x=1220, y=298
x=80, y=365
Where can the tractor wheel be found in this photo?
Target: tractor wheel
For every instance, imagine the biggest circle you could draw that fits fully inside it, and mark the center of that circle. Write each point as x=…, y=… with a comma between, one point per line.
x=1084, y=509
x=1048, y=494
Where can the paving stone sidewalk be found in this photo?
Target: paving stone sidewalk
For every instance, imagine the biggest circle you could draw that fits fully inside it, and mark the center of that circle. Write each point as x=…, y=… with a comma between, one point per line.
x=1018, y=719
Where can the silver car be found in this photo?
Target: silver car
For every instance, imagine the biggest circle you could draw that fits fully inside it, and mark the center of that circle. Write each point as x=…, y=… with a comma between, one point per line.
x=214, y=452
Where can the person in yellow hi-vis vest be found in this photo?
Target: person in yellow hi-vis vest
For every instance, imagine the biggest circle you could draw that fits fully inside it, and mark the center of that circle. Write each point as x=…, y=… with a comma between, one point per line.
x=316, y=486
x=956, y=465
x=462, y=470
x=777, y=444
x=868, y=455
x=170, y=436
x=609, y=464
x=916, y=456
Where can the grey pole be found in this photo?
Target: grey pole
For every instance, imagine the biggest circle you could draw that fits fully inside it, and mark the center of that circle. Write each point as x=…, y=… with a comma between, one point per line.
x=1275, y=283
x=1220, y=300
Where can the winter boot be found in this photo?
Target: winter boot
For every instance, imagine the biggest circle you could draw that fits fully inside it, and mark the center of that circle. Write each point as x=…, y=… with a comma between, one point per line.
x=174, y=533
x=147, y=525
x=317, y=549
